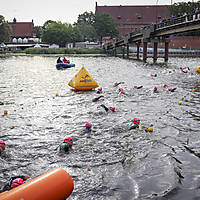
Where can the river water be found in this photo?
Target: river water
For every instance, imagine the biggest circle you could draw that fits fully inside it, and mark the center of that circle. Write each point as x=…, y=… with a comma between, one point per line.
x=113, y=163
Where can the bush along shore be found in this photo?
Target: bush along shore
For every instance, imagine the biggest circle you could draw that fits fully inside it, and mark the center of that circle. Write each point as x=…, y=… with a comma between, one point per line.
x=57, y=51
x=65, y=51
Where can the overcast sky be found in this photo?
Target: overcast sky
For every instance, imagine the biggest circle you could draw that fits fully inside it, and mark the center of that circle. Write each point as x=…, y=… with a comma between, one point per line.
x=61, y=10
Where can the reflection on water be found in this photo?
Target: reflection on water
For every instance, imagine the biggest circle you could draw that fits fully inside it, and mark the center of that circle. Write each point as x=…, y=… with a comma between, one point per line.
x=114, y=162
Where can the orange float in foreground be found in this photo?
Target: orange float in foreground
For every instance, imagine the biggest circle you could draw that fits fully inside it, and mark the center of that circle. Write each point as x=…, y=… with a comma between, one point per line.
x=56, y=184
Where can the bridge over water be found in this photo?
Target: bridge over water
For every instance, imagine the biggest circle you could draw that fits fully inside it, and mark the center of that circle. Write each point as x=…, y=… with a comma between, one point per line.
x=155, y=33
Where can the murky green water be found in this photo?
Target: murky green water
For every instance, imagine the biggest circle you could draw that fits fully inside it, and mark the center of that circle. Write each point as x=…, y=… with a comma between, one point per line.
x=114, y=162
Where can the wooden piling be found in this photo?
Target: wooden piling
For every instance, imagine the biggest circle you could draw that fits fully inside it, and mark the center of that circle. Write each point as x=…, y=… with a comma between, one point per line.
x=138, y=50
x=166, y=50
x=127, y=51
x=155, y=51
x=145, y=51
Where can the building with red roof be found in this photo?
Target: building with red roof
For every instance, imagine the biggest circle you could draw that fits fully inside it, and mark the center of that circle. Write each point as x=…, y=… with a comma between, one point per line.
x=21, y=30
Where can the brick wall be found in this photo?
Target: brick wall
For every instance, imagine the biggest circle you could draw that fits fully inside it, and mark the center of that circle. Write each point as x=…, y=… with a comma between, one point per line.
x=190, y=42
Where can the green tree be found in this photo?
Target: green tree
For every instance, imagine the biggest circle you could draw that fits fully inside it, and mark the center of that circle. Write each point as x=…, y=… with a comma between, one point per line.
x=38, y=31
x=105, y=25
x=5, y=30
x=58, y=33
x=178, y=9
x=95, y=26
x=88, y=31
x=85, y=24
x=86, y=18
x=78, y=36
x=47, y=23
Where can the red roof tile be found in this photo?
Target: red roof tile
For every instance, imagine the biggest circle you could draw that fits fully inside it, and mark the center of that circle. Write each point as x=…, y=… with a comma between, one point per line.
x=22, y=29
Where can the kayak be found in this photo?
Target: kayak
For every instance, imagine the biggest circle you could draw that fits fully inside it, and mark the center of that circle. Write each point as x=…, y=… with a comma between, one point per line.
x=64, y=65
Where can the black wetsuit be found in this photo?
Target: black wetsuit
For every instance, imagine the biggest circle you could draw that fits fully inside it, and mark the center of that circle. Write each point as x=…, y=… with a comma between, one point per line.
x=96, y=99
x=139, y=87
x=106, y=109
x=172, y=90
x=8, y=186
x=64, y=148
x=134, y=126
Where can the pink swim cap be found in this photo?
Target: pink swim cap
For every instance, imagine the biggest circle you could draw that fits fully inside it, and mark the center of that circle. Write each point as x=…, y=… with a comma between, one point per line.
x=100, y=89
x=135, y=86
x=112, y=109
x=136, y=120
x=88, y=124
x=165, y=85
x=155, y=88
x=2, y=143
x=17, y=182
x=169, y=89
x=68, y=139
x=122, y=91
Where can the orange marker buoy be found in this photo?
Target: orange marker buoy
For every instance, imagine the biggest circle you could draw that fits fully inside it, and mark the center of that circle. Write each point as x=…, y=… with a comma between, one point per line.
x=150, y=129
x=56, y=184
x=57, y=94
x=5, y=112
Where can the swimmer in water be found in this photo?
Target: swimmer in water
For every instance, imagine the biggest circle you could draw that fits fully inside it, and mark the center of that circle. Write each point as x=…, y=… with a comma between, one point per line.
x=2, y=146
x=14, y=182
x=117, y=83
x=66, y=145
x=99, y=91
x=88, y=128
x=97, y=98
x=155, y=90
x=136, y=123
x=110, y=109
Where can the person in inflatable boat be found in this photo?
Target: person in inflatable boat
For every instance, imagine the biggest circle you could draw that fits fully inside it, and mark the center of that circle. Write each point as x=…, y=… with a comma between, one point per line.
x=65, y=60
x=59, y=60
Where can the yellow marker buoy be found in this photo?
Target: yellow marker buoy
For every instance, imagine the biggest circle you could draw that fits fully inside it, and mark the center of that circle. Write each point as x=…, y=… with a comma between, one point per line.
x=83, y=81
x=193, y=90
x=198, y=70
x=140, y=127
x=179, y=103
x=5, y=112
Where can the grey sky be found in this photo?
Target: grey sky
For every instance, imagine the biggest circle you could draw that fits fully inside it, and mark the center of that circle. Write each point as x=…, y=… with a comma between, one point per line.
x=61, y=10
